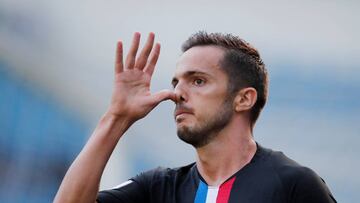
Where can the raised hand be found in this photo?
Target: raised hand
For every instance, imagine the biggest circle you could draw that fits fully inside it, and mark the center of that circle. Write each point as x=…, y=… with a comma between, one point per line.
x=131, y=100
x=131, y=97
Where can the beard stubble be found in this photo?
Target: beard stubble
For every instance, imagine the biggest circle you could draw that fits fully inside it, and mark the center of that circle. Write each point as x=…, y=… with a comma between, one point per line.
x=204, y=132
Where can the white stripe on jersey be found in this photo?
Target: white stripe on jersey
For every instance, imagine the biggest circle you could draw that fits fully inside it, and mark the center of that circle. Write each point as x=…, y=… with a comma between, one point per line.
x=212, y=194
x=123, y=184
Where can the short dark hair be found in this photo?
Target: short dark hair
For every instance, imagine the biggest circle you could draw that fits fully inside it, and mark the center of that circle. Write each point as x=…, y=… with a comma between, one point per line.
x=241, y=63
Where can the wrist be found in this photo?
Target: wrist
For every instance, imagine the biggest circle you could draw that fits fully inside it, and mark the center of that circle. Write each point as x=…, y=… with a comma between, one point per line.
x=115, y=124
x=110, y=116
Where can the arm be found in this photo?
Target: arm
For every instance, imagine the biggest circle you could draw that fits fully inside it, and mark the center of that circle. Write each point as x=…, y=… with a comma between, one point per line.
x=131, y=101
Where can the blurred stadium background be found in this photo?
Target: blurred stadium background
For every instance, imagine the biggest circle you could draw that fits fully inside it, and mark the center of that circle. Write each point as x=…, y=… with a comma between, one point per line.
x=56, y=63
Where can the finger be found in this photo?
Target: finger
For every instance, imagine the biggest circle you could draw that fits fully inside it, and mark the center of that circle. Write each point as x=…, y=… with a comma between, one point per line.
x=141, y=61
x=119, y=58
x=162, y=96
x=130, y=59
x=150, y=66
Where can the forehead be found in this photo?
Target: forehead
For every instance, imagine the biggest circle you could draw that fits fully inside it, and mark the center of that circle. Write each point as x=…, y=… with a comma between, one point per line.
x=204, y=59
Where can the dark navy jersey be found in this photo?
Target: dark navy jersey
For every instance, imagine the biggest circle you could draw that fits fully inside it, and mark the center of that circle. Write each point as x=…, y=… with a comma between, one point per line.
x=270, y=177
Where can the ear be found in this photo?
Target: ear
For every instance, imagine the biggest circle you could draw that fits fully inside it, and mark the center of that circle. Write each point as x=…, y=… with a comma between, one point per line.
x=245, y=99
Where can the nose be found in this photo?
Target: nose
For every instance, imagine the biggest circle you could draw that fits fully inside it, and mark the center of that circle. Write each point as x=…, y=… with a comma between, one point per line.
x=180, y=93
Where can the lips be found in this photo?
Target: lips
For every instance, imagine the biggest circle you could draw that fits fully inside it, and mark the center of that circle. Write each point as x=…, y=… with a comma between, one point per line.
x=181, y=110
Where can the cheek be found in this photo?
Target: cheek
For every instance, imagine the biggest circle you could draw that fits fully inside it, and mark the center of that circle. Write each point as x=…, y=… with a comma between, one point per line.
x=207, y=109
x=207, y=101
x=212, y=93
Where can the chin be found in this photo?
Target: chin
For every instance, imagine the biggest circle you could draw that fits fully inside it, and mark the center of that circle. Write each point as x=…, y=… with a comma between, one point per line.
x=181, y=126
x=184, y=123
x=191, y=137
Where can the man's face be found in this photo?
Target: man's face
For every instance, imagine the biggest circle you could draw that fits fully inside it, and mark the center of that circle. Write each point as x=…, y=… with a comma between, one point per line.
x=204, y=106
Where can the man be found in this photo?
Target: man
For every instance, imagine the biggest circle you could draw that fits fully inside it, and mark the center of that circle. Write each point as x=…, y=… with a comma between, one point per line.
x=220, y=86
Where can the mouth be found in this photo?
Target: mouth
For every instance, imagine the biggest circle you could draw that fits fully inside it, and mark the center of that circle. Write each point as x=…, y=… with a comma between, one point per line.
x=180, y=112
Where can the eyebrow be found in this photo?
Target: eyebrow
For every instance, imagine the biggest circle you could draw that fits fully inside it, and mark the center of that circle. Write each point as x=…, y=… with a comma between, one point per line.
x=188, y=74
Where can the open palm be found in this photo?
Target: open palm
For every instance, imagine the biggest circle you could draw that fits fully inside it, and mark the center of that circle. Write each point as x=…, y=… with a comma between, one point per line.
x=131, y=95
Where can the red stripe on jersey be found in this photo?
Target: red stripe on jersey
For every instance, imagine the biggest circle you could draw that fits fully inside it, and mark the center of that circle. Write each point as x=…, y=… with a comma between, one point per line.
x=224, y=191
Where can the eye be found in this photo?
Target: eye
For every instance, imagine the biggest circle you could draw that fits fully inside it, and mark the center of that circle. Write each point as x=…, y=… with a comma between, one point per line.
x=199, y=82
x=174, y=82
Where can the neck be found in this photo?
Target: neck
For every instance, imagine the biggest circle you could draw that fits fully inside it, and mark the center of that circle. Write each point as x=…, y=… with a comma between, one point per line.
x=230, y=151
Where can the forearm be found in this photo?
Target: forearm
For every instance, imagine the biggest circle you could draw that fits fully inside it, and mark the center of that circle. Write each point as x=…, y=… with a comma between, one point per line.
x=81, y=182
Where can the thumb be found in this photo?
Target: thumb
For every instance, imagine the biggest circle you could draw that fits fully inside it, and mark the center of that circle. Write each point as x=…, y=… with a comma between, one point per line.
x=162, y=96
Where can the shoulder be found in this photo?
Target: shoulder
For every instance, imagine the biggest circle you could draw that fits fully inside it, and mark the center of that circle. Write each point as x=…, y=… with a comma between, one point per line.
x=161, y=174
x=287, y=168
x=278, y=162
x=300, y=181
x=143, y=186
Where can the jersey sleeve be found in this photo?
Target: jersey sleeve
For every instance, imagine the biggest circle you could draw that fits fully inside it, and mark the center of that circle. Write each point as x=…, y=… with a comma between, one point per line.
x=311, y=188
x=130, y=191
x=134, y=190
